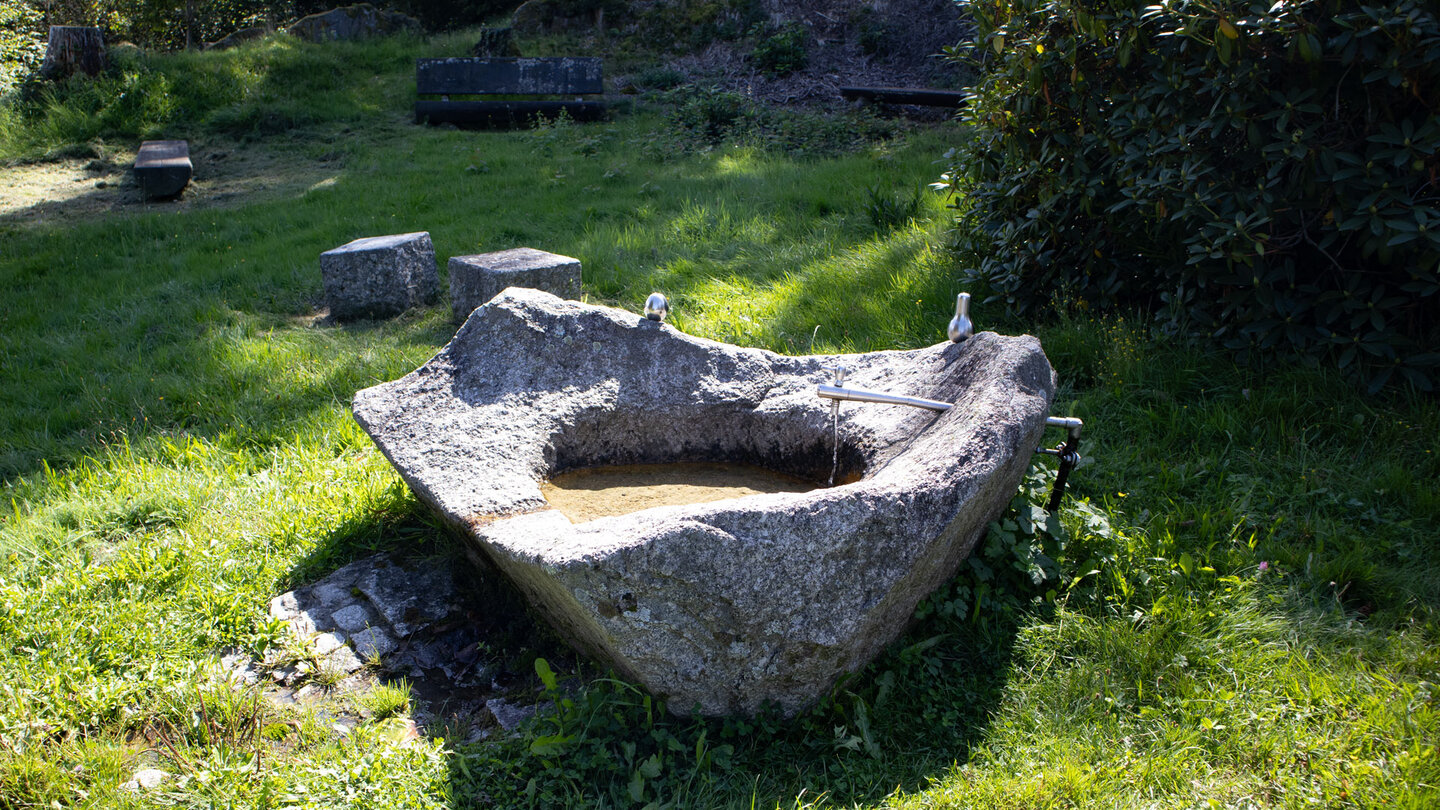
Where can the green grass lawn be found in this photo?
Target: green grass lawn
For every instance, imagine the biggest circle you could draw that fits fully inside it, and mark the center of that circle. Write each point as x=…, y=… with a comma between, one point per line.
x=1243, y=613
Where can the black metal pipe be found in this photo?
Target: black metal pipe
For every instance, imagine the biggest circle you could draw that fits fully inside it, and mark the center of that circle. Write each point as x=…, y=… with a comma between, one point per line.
x=1068, y=453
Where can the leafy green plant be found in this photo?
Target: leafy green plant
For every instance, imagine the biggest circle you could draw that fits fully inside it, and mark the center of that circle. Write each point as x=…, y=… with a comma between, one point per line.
x=712, y=114
x=780, y=52
x=872, y=32
x=888, y=210
x=1261, y=174
x=21, y=43
x=660, y=77
x=600, y=740
x=1016, y=563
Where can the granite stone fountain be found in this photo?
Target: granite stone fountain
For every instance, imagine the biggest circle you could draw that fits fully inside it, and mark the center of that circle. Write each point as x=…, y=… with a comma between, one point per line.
x=723, y=605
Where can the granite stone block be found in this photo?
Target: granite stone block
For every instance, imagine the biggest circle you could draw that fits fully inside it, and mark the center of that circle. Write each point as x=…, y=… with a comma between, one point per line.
x=478, y=278
x=380, y=276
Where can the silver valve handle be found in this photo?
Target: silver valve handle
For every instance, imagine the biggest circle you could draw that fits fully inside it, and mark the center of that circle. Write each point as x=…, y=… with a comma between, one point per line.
x=961, y=327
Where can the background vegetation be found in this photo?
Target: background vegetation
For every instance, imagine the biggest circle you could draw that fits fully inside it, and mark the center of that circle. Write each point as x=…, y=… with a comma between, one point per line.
x=1260, y=174
x=1236, y=607
x=171, y=24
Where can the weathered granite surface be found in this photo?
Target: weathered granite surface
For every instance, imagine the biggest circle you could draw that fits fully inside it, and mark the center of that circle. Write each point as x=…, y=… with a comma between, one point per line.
x=359, y=21
x=237, y=38
x=380, y=276
x=728, y=604
x=478, y=278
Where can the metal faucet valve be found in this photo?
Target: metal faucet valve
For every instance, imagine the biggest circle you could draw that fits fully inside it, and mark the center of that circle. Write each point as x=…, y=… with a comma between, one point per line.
x=961, y=327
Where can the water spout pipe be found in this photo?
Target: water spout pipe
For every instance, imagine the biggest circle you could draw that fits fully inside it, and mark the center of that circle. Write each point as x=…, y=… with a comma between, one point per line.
x=861, y=395
x=1068, y=451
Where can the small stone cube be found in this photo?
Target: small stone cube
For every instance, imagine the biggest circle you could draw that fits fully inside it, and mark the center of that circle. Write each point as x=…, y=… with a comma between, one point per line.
x=476, y=279
x=380, y=276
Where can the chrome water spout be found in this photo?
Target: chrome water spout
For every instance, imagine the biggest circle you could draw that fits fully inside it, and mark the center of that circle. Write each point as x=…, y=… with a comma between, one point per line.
x=861, y=395
x=837, y=392
x=961, y=327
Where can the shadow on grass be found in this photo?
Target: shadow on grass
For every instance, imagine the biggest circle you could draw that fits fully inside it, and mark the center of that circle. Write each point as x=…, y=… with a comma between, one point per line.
x=899, y=724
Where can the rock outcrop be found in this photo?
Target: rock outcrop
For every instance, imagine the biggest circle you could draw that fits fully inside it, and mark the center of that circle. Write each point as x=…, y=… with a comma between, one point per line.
x=730, y=604
x=237, y=38
x=353, y=22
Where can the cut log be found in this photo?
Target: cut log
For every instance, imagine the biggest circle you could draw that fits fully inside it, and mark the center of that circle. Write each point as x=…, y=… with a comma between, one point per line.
x=163, y=168
x=73, y=48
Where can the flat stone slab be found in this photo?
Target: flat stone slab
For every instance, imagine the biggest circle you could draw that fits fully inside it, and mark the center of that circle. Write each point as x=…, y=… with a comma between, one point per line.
x=478, y=278
x=726, y=605
x=362, y=610
x=380, y=276
x=163, y=168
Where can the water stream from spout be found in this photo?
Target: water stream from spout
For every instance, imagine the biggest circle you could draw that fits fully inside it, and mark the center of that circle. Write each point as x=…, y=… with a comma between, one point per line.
x=835, y=428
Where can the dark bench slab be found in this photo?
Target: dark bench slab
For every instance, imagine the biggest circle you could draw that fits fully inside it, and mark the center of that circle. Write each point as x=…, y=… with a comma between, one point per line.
x=163, y=168
x=922, y=96
x=523, y=88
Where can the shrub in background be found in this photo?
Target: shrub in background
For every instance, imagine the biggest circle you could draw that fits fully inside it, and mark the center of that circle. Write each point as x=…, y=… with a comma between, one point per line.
x=164, y=23
x=694, y=24
x=781, y=51
x=448, y=15
x=22, y=44
x=706, y=117
x=1266, y=175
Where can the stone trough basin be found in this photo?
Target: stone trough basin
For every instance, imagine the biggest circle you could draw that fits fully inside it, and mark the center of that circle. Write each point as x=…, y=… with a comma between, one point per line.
x=724, y=605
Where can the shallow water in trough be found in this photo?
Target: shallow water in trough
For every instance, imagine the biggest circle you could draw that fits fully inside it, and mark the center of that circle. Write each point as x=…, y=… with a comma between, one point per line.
x=584, y=495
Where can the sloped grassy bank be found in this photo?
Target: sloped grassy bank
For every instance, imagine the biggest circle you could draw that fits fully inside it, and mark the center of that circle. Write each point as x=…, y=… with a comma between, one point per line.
x=1237, y=606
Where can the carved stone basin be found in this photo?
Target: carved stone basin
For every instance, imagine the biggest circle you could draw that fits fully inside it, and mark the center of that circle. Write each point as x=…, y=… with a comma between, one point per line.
x=728, y=604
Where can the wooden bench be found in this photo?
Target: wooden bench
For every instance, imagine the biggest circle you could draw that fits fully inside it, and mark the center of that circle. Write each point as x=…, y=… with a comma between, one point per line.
x=522, y=89
x=163, y=168
x=920, y=96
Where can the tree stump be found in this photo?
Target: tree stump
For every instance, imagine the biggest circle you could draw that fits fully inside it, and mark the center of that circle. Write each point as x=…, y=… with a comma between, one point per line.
x=73, y=48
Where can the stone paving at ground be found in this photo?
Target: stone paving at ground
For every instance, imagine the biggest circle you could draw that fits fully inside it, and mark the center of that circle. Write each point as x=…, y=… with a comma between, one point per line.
x=379, y=620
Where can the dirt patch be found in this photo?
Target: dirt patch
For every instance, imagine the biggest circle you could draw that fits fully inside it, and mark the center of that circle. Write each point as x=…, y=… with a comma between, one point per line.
x=226, y=173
